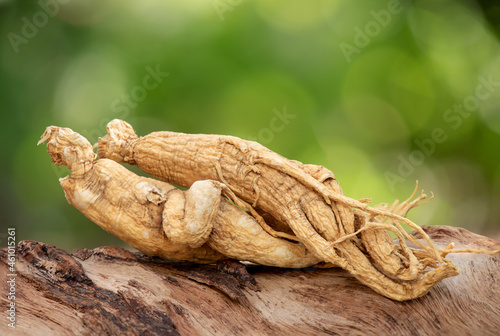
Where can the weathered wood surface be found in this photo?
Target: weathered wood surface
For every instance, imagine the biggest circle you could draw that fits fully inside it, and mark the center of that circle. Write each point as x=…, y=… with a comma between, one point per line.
x=110, y=291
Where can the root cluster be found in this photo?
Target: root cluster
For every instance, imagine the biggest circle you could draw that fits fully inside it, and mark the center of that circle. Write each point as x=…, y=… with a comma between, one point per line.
x=245, y=202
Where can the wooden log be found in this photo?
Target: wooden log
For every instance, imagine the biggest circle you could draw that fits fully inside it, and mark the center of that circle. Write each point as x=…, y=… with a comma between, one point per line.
x=111, y=291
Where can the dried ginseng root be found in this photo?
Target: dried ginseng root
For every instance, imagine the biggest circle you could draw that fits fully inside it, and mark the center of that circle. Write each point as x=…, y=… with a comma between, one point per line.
x=307, y=198
x=196, y=225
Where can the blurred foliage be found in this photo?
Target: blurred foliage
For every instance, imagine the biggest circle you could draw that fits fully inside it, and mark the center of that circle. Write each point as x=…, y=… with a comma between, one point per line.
x=234, y=67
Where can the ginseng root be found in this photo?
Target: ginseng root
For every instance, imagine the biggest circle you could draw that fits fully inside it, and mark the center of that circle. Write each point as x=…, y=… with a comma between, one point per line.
x=308, y=199
x=196, y=225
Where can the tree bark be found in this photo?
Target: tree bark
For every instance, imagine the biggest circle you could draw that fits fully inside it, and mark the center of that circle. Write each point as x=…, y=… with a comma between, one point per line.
x=111, y=291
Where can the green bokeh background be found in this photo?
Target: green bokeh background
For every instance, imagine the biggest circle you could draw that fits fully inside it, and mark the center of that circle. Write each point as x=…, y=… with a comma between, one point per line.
x=233, y=67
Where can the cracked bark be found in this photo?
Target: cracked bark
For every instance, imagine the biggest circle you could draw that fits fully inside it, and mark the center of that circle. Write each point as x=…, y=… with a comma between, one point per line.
x=110, y=291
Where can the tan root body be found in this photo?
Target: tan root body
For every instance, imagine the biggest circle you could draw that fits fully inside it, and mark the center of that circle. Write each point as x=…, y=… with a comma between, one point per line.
x=306, y=198
x=160, y=220
x=284, y=213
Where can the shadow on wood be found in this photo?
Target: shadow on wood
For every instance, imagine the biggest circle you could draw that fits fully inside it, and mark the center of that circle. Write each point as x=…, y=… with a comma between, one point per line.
x=112, y=291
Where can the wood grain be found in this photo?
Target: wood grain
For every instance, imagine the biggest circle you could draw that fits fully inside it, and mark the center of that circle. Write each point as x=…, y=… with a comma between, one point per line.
x=111, y=291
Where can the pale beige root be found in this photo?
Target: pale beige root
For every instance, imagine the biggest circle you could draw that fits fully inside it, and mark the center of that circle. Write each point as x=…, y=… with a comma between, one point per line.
x=131, y=207
x=241, y=237
x=277, y=162
x=346, y=254
x=120, y=202
x=193, y=224
x=69, y=149
x=257, y=177
x=274, y=224
x=117, y=146
x=388, y=256
x=380, y=242
x=201, y=215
